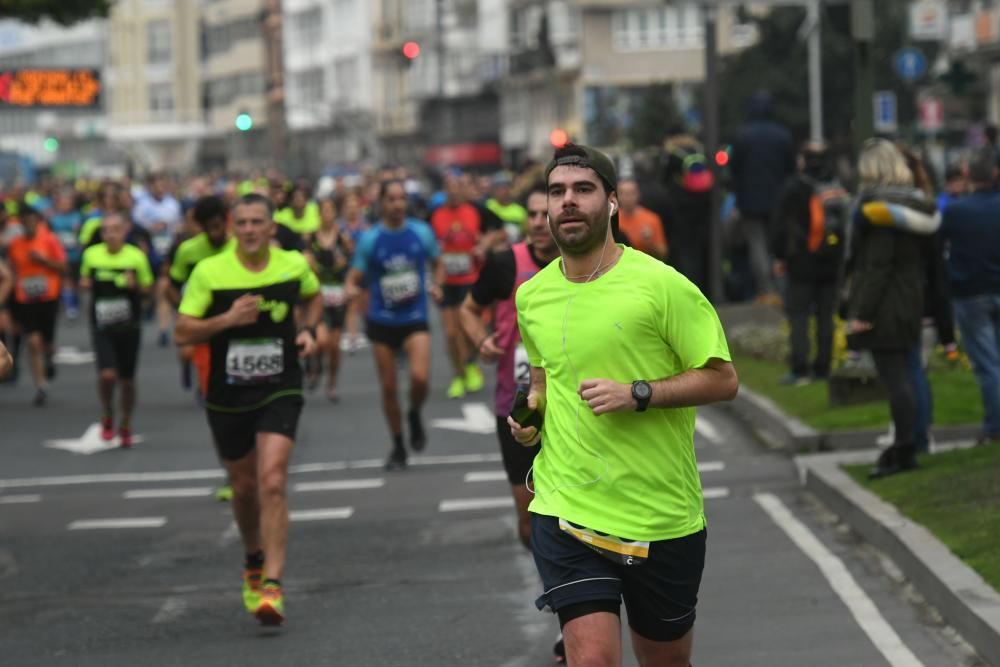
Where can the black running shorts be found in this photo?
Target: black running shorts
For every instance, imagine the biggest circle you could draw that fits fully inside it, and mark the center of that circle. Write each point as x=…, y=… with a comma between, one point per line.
x=235, y=433
x=394, y=337
x=660, y=594
x=118, y=350
x=454, y=295
x=517, y=459
x=37, y=316
x=334, y=316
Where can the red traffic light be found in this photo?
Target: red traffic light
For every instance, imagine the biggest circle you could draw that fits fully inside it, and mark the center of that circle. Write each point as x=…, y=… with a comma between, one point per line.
x=411, y=50
x=558, y=137
x=722, y=158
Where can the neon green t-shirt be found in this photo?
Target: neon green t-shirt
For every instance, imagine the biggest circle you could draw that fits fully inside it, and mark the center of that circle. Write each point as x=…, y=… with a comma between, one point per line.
x=514, y=217
x=307, y=224
x=628, y=474
x=88, y=229
x=192, y=251
x=114, y=305
x=258, y=363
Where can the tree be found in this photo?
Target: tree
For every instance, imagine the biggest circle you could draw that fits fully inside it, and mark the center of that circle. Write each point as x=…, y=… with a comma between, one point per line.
x=64, y=12
x=778, y=64
x=654, y=116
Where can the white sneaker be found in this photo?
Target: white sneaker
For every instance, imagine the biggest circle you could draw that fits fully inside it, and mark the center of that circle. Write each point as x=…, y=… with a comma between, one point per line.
x=886, y=439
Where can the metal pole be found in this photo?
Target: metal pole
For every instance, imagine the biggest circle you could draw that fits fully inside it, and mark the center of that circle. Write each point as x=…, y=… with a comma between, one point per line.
x=276, y=129
x=863, y=33
x=711, y=147
x=814, y=20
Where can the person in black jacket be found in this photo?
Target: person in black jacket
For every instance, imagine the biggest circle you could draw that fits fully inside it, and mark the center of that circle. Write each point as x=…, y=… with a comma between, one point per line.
x=810, y=227
x=886, y=298
x=763, y=157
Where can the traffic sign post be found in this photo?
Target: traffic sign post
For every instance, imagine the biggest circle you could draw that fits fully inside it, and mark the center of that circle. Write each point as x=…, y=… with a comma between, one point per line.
x=930, y=111
x=910, y=64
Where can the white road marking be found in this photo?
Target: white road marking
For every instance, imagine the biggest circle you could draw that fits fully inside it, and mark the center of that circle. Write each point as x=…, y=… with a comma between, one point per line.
x=715, y=492
x=486, y=476
x=340, y=485
x=68, y=354
x=112, y=524
x=321, y=514
x=195, y=492
x=19, y=500
x=707, y=430
x=230, y=533
x=711, y=466
x=476, y=418
x=172, y=608
x=851, y=594
x=191, y=475
x=467, y=504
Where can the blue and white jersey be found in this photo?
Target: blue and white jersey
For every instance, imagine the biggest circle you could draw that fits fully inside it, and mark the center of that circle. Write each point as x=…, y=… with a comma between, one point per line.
x=394, y=262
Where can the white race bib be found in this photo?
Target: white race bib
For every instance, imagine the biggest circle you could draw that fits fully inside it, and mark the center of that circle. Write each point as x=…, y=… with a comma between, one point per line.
x=522, y=367
x=398, y=288
x=333, y=295
x=457, y=264
x=255, y=360
x=161, y=244
x=109, y=312
x=35, y=287
x=68, y=239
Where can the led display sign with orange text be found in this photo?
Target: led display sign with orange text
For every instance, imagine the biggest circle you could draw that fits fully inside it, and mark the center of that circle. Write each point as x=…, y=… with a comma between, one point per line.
x=40, y=88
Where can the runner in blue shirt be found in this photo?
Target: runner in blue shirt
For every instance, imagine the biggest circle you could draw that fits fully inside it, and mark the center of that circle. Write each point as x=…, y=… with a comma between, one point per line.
x=391, y=258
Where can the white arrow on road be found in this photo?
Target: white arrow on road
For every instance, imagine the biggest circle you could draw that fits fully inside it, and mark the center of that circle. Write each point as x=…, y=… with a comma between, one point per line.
x=88, y=443
x=476, y=418
x=68, y=354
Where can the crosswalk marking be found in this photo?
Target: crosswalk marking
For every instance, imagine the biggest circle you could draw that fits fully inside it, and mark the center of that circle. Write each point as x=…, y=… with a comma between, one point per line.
x=110, y=524
x=321, y=514
x=20, y=500
x=486, y=476
x=190, y=492
x=340, y=485
x=466, y=504
x=715, y=492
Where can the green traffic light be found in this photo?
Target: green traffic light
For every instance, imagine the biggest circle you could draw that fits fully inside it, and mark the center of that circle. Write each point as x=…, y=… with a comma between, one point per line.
x=244, y=122
x=51, y=144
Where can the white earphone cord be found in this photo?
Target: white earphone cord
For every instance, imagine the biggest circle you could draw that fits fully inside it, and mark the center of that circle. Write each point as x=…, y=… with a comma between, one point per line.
x=579, y=404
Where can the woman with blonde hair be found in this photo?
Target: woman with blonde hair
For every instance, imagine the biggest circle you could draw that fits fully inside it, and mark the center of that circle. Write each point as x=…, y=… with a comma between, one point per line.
x=887, y=283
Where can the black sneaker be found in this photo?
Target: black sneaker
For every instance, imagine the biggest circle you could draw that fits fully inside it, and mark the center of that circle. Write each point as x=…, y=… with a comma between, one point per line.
x=418, y=437
x=40, y=397
x=50, y=369
x=396, y=460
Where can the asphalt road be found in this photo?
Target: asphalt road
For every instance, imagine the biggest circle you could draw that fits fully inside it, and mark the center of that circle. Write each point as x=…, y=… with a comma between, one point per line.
x=123, y=557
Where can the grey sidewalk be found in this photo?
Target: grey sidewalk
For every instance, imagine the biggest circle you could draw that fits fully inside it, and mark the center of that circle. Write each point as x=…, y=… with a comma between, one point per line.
x=963, y=598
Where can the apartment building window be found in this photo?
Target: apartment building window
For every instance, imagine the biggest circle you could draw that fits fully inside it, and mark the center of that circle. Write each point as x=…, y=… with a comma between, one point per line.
x=220, y=38
x=344, y=16
x=675, y=27
x=345, y=79
x=158, y=42
x=307, y=27
x=309, y=86
x=419, y=15
x=161, y=99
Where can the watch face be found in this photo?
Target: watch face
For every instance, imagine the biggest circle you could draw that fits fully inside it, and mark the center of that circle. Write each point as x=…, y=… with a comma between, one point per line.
x=643, y=390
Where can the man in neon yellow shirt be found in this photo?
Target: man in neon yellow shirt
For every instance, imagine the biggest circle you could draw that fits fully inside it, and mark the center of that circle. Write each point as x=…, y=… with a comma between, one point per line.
x=502, y=203
x=621, y=348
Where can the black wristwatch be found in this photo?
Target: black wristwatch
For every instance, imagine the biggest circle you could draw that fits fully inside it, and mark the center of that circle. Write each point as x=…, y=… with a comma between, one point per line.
x=642, y=392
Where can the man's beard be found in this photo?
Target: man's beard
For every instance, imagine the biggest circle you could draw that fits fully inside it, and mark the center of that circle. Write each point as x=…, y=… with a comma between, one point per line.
x=578, y=243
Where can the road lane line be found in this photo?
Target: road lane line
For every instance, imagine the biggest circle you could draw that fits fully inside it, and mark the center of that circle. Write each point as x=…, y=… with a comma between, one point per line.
x=715, y=492
x=707, y=430
x=454, y=458
x=112, y=524
x=485, y=476
x=340, y=485
x=321, y=514
x=853, y=596
x=467, y=504
x=190, y=492
x=172, y=609
x=711, y=466
x=20, y=500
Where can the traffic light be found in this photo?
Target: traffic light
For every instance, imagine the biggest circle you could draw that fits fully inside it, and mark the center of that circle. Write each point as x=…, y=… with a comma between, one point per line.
x=244, y=122
x=411, y=50
x=722, y=156
x=558, y=137
x=51, y=144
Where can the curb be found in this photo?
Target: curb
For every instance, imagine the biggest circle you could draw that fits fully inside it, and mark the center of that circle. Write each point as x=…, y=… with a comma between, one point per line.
x=778, y=430
x=968, y=603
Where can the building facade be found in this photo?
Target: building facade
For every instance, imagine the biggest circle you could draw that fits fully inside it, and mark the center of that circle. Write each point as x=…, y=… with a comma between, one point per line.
x=155, y=114
x=329, y=84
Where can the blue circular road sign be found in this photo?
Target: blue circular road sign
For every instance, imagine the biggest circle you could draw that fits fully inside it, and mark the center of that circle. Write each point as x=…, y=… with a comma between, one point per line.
x=910, y=64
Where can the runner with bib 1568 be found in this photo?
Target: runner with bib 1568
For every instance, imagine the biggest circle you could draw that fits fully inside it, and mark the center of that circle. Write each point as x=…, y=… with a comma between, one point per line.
x=242, y=302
